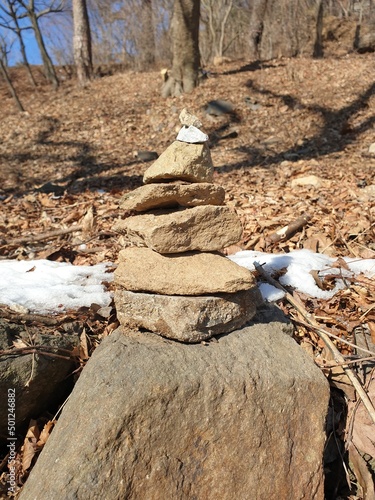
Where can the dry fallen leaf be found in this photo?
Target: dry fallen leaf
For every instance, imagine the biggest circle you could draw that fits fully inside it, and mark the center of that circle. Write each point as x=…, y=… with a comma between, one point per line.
x=88, y=223
x=30, y=444
x=19, y=343
x=363, y=433
x=362, y=474
x=83, y=350
x=371, y=326
x=46, y=432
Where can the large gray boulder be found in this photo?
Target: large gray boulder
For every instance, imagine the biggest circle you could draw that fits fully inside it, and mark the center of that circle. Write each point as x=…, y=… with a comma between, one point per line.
x=38, y=379
x=237, y=418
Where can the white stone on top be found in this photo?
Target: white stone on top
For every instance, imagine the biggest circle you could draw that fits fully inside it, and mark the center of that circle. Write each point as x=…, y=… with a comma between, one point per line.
x=191, y=135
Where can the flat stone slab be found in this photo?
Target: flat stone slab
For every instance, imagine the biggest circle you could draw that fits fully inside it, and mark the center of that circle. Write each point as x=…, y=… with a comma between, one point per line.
x=207, y=228
x=151, y=196
x=187, y=319
x=149, y=418
x=182, y=161
x=143, y=270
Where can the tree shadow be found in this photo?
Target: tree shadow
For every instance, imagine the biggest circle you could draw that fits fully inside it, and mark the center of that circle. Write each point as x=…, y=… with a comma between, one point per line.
x=335, y=134
x=253, y=66
x=115, y=182
x=86, y=173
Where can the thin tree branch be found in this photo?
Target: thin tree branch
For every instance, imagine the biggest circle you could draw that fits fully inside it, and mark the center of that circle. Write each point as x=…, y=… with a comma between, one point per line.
x=43, y=236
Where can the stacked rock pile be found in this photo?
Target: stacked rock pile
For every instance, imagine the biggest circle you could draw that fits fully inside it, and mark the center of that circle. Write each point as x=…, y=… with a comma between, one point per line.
x=171, y=278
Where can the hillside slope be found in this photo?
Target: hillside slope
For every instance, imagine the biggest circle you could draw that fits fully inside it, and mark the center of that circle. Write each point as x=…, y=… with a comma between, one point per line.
x=292, y=118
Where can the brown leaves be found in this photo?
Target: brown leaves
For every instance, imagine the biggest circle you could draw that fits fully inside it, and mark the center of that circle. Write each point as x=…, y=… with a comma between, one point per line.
x=35, y=441
x=361, y=430
x=371, y=326
x=362, y=474
x=360, y=436
x=88, y=223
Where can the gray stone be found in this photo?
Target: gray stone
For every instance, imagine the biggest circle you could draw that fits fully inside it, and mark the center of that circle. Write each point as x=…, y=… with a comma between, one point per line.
x=367, y=193
x=143, y=270
x=207, y=228
x=182, y=161
x=38, y=380
x=219, y=107
x=146, y=155
x=310, y=180
x=187, y=319
x=153, y=196
x=149, y=418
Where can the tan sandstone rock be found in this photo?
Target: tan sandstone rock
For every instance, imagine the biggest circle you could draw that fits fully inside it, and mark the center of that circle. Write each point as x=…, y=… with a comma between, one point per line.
x=188, y=162
x=191, y=273
x=187, y=319
x=206, y=228
x=151, y=196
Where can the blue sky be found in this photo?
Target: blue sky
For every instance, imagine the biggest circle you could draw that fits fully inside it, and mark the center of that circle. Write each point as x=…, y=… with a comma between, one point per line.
x=32, y=51
x=56, y=31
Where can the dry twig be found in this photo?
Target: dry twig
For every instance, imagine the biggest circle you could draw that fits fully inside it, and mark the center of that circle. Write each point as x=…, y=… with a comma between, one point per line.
x=6, y=312
x=340, y=339
x=31, y=238
x=288, y=231
x=39, y=349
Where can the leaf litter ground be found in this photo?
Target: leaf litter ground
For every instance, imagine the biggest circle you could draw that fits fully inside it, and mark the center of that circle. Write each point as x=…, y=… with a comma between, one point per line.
x=295, y=147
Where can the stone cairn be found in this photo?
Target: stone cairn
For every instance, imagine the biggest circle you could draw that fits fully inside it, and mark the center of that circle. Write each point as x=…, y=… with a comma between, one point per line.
x=171, y=278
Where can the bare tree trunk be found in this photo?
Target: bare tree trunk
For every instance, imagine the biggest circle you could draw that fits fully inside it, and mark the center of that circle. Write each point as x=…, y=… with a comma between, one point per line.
x=222, y=28
x=47, y=63
x=148, y=39
x=18, y=31
x=24, y=59
x=185, y=42
x=9, y=15
x=12, y=90
x=218, y=14
x=256, y=28
x=82, y=42
x=318, y=46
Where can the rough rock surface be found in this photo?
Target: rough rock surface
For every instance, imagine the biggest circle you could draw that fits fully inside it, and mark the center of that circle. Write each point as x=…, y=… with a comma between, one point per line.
x=186, y=118
x=188, y=162
x=149, y=418
x=151, y=196
x=38, y=380
x=187, y=319
x=207, y=228
x=143, y=270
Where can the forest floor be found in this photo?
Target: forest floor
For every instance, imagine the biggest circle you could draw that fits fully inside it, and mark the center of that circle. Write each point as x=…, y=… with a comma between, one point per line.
x=292, y=119
x=297, y=144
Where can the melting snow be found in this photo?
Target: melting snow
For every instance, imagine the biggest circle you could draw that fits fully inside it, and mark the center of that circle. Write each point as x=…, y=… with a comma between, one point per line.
x=45, y=287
